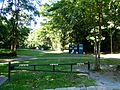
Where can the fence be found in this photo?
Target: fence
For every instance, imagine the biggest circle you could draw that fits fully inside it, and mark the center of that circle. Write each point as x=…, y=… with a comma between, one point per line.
x=17, y=67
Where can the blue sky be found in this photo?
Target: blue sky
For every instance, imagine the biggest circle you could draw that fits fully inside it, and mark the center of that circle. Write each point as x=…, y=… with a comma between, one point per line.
x=0, y=1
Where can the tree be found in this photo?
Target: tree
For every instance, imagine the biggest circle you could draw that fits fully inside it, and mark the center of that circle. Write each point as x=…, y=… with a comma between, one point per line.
x=19, y=13
x=77, y=18
x=112, y=19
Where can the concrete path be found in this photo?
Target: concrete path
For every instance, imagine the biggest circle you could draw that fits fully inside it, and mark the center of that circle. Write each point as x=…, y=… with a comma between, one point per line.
x=20, y=58
x=110, y=56
x=89, y=88
x=2, y=79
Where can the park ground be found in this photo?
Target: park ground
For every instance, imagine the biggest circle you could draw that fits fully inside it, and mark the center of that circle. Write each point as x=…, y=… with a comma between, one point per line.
x=26, y=80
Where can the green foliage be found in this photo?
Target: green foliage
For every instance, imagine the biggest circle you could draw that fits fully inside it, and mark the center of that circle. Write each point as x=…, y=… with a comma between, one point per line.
x=15, y=18
x=43, y=36
x=75, y=19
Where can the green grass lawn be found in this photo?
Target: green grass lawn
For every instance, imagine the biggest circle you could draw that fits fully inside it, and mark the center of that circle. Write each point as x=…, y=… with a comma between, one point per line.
x=111, y=61
x=33, y=80
x=32, y=52
x=38, y=81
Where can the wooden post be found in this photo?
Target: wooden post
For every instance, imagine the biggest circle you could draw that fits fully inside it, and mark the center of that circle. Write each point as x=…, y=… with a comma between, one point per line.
x=34, y=68
x=71, y=67
x=9, y=69
x=53, y=67
x=88, y=65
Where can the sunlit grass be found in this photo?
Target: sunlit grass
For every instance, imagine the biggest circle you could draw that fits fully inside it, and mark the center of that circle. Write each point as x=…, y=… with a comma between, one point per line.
x=110, y=61
x=33, y=80
x=32, y=52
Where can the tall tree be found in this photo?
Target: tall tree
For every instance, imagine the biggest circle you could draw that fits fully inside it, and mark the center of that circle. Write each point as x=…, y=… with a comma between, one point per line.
x=19, y=13
x=112, y=19
x=78, y=18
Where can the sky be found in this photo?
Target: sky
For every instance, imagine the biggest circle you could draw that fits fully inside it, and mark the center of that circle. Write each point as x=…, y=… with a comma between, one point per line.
x=0, y=1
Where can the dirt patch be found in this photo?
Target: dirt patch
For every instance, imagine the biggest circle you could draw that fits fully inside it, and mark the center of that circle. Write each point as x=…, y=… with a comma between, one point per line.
x=108, y=76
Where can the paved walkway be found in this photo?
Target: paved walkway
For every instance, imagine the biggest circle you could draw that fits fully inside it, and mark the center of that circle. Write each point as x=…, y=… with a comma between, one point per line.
x=2, y=79
x=89, y=88
x=110, y=56
x=20, y=58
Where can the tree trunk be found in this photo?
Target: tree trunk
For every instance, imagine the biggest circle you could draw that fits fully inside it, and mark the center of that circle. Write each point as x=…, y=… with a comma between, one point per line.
x=96, y=53
x=13, y=45
x=94, y=48
x=14, y=29
x=111, y=44
x=97, y=62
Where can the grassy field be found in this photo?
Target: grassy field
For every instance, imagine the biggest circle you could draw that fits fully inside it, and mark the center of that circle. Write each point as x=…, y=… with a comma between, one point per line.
x=31, y=52
x=70, y=57
x=31, y=80
x=38, y=81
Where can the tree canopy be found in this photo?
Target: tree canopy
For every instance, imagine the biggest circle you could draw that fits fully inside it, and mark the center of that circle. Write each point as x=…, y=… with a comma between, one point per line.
x=94, y=23
x=15, y=16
